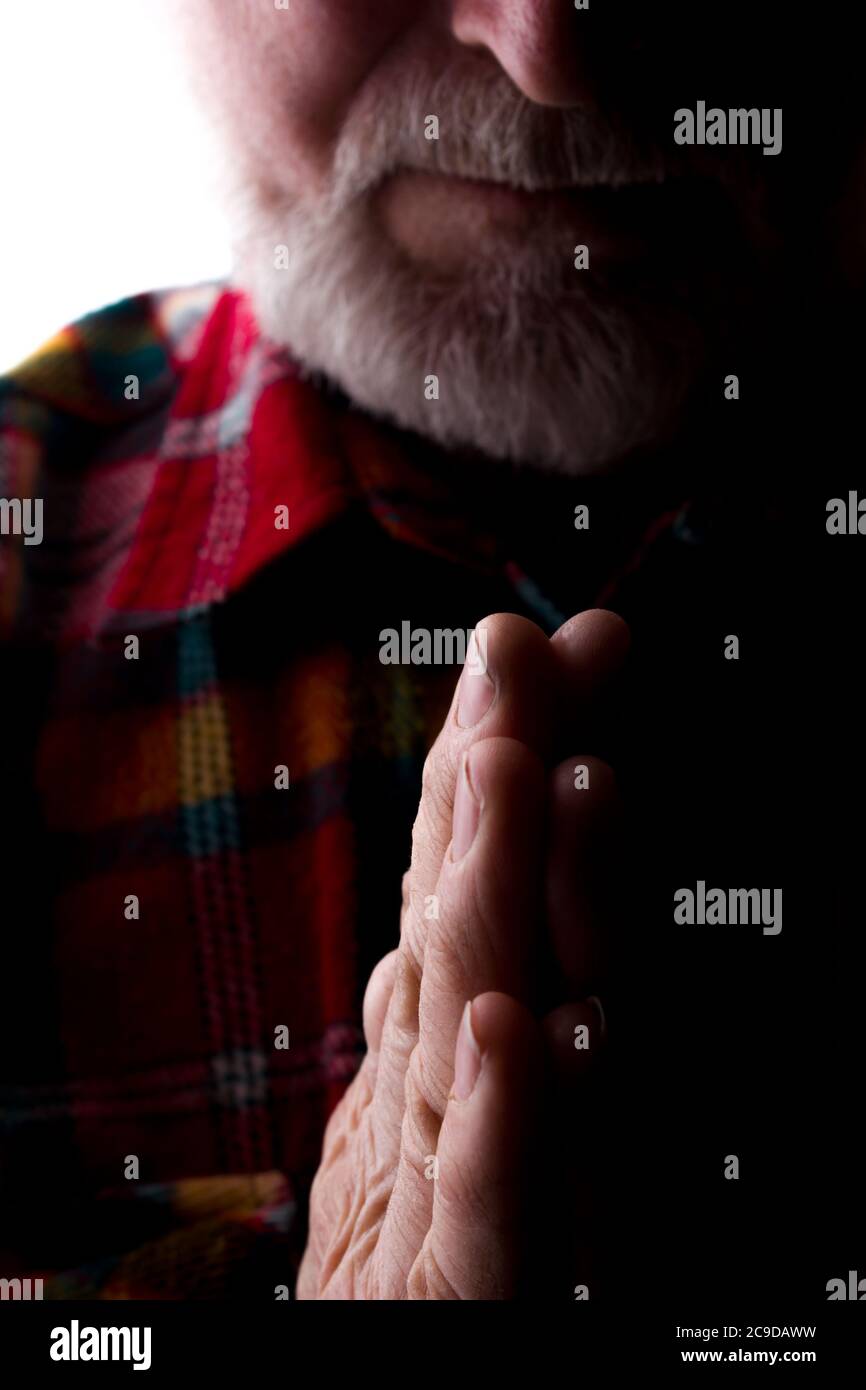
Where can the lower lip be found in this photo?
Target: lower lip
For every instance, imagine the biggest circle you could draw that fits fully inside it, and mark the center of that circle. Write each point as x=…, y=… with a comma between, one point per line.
x=421, y=208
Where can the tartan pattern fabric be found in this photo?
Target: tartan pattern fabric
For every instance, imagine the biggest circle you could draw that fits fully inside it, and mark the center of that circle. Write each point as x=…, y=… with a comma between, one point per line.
x=164, y=436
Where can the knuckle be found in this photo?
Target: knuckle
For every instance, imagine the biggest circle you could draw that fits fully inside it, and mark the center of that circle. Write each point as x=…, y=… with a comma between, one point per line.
x=431, y=1066
x=437, y=772
x=402, y=1021
x=426, y=1278
x=345, y=1120
x=430, y=771
x=406, y=890
x=463, y=943
x=412, y=932
x=423, y=1109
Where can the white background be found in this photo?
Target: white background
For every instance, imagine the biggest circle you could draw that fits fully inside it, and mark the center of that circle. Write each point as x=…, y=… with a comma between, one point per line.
x=106, y=176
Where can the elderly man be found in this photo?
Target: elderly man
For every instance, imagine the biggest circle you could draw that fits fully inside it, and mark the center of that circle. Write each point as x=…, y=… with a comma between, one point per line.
x=512, y=333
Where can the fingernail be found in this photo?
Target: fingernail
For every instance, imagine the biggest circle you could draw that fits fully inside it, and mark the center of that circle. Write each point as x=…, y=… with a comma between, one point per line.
x=467, y=1058
x=466, y=815
x=476, y=688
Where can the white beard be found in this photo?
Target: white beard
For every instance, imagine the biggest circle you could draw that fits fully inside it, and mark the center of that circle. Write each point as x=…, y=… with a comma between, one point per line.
x=534, y=364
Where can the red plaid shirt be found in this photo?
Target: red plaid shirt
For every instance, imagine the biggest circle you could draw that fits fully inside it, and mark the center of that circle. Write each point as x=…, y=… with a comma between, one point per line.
x=169, y=906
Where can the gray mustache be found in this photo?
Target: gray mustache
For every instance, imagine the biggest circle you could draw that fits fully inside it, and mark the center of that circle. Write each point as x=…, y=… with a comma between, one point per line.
x=488, y=130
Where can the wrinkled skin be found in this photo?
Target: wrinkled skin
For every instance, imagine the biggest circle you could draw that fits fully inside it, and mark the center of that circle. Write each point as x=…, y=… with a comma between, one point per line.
x=386, y=1220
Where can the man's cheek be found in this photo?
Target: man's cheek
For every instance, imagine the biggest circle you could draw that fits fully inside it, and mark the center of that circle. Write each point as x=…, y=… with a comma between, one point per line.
x=294, y=76
x=325, y=50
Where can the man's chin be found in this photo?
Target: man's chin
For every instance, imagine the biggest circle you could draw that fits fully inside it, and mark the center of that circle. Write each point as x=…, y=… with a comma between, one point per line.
x=500, y=360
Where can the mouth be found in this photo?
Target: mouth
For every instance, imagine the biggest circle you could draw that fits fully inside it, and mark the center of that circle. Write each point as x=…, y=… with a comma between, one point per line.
x=447, y=218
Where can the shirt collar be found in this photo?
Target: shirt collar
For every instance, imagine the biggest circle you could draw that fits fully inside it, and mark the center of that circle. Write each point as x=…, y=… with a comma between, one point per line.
x=253, y=459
